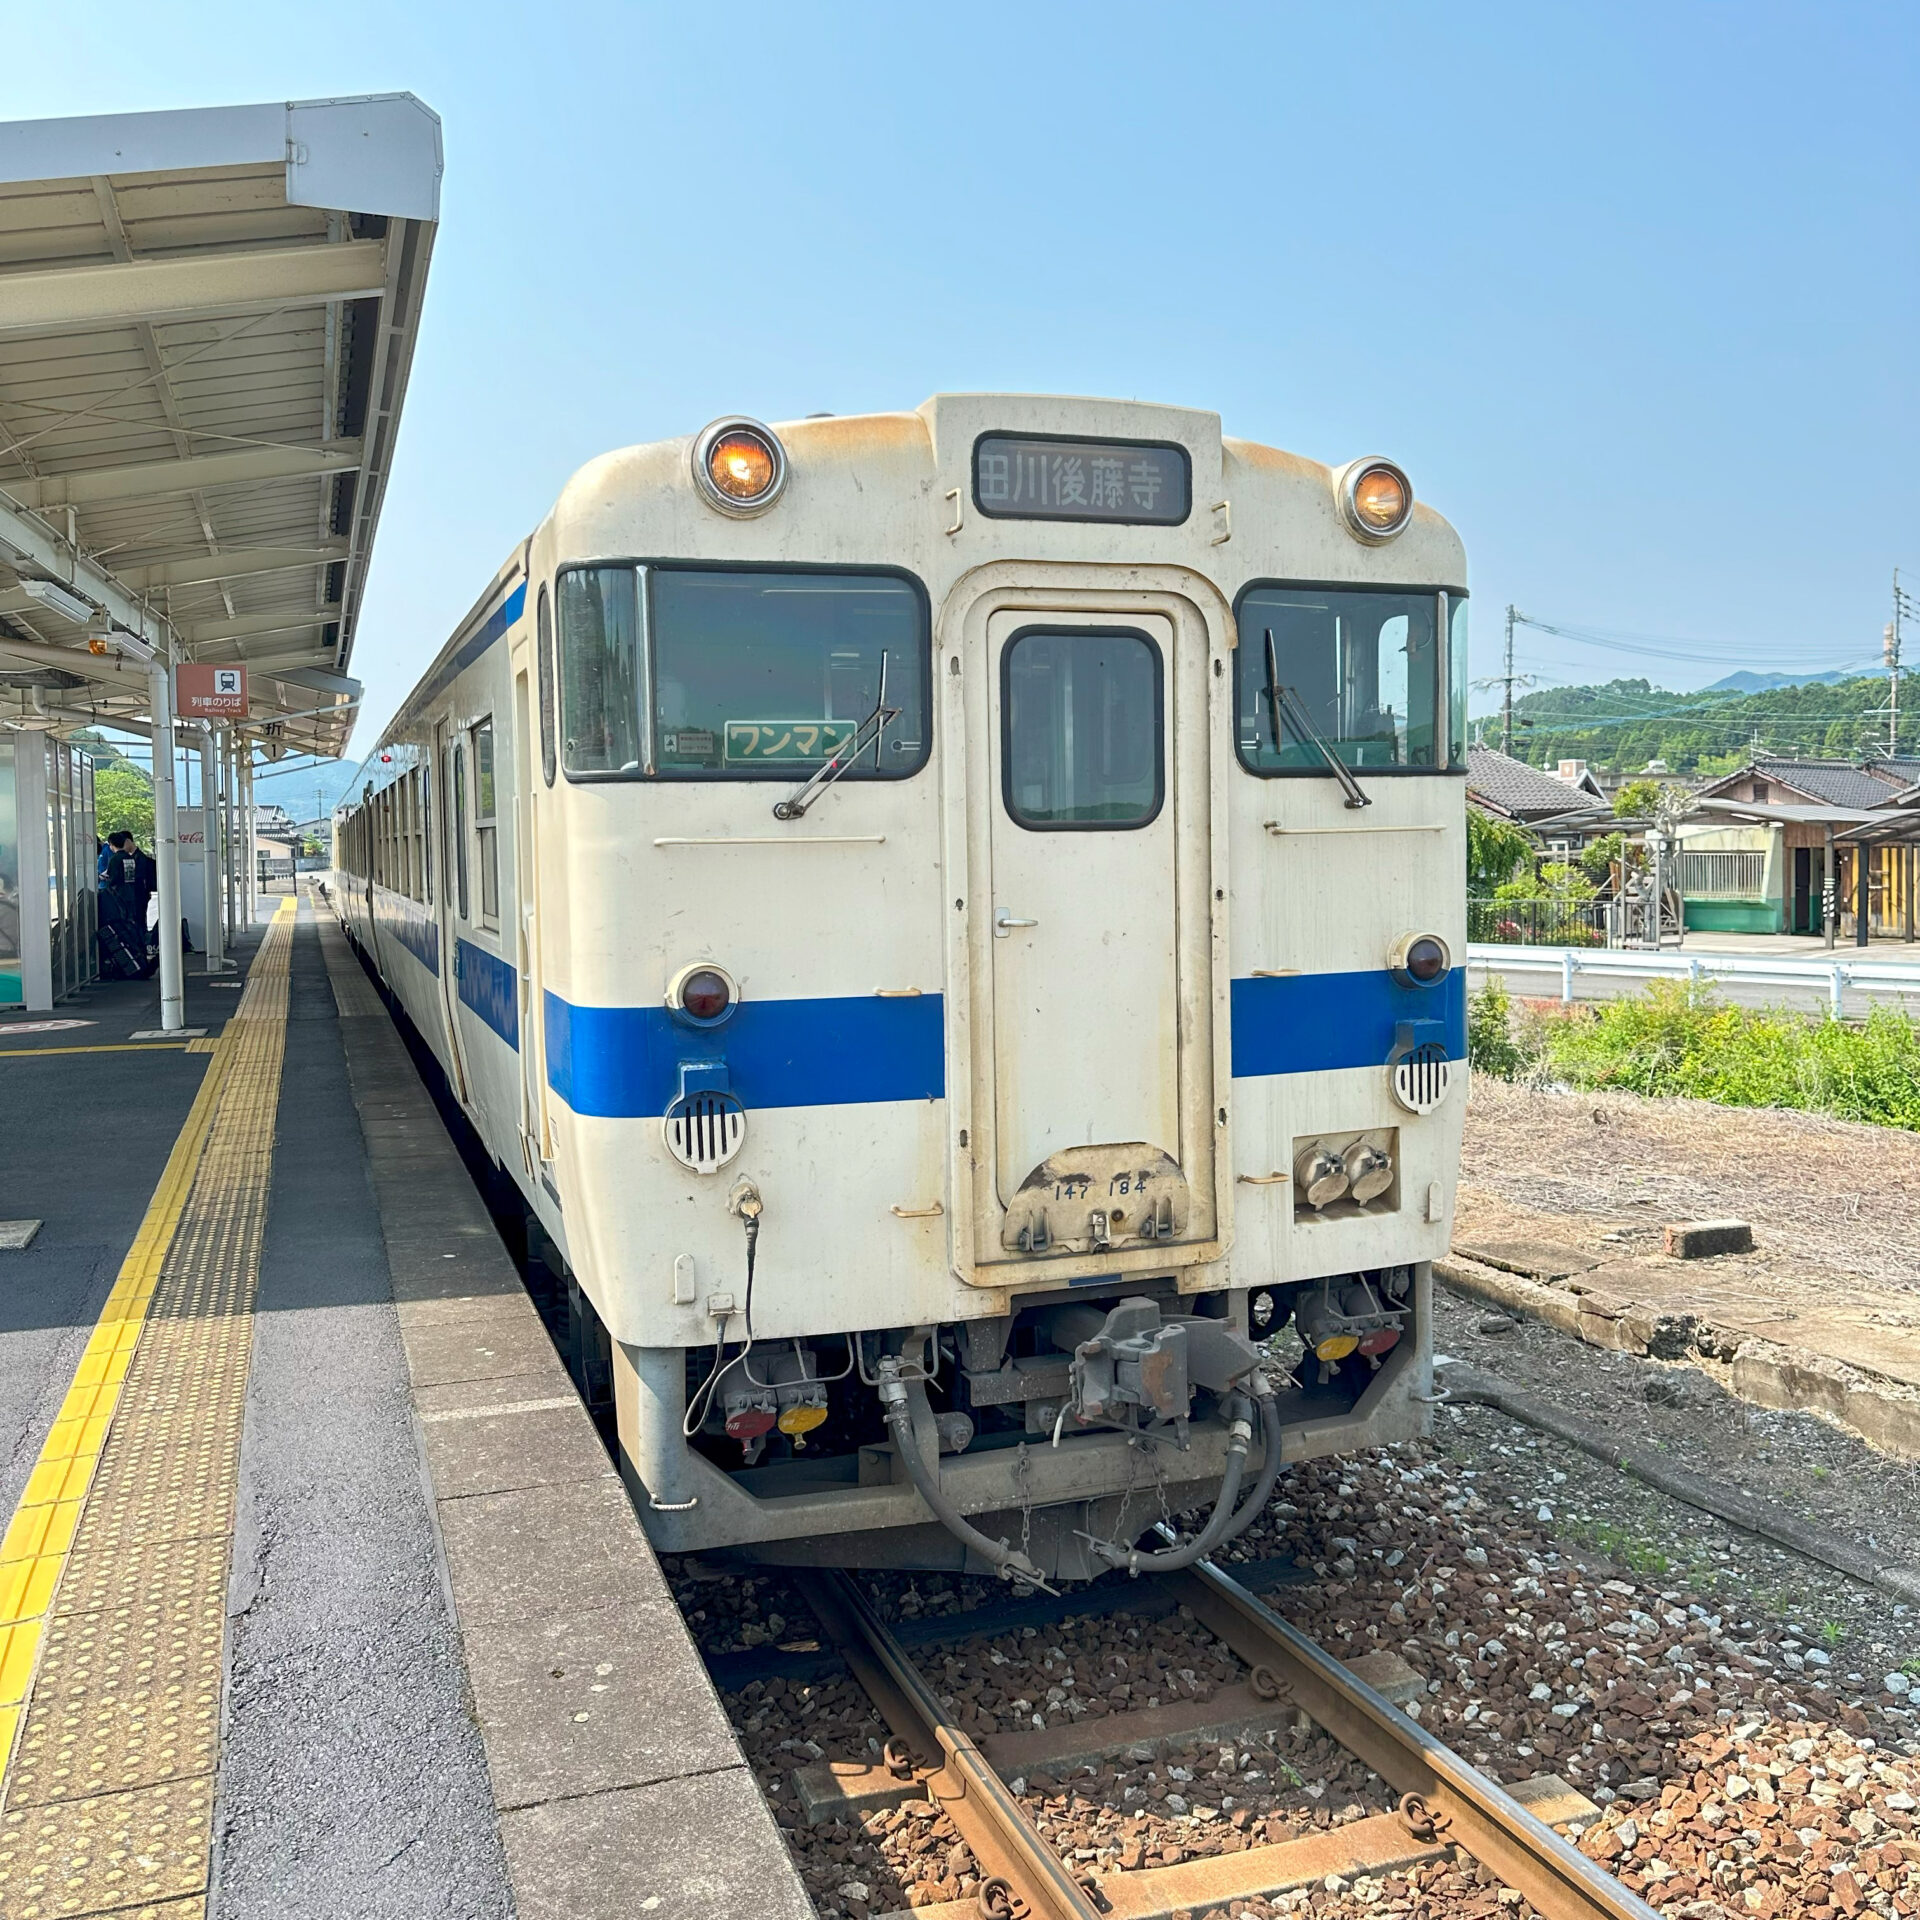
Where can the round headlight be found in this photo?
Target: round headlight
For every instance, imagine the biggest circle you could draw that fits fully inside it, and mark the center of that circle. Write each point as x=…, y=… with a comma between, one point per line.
x=1420, y=960
x=1376, y=499
x=739, y=465
x=702, y=994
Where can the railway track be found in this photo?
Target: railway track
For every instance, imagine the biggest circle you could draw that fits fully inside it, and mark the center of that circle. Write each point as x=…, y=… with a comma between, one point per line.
x=1442, y=1801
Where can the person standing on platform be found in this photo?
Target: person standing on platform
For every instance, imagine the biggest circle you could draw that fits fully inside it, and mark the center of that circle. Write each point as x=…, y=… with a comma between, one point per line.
x=127, y=887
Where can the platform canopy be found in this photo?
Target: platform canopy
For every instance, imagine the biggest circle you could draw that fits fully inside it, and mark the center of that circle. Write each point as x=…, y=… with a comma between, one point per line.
x=207, y=319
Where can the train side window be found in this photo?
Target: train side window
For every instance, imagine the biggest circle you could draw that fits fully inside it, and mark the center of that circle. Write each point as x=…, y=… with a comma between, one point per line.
x=486, y=828
x=547, y=716
x=1083, y=723
x=426, y=827
x=460, y=831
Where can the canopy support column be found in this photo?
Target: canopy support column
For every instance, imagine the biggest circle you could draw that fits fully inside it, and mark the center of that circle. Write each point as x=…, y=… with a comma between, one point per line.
x=249, y=837
x=166, y=848
x=209, y=838
x=226, y=818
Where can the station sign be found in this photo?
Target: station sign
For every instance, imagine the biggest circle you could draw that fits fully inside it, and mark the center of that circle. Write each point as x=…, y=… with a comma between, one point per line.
x=210, y=693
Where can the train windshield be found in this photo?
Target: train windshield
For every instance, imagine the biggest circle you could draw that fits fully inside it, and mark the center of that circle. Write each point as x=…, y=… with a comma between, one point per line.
x=708, y=674
x=1363, y=667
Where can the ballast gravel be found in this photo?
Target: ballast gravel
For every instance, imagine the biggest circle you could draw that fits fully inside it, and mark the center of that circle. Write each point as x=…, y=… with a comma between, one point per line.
x=1737, y=1771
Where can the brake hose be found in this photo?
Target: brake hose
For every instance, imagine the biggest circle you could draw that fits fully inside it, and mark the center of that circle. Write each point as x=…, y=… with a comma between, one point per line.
x=1005, y=1559
x=1239, y=1438
x=1224, y=1522
x=1256, y=1501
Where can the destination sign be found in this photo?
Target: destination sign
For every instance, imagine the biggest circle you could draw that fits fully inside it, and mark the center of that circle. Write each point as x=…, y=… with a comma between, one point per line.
x=1111, y=480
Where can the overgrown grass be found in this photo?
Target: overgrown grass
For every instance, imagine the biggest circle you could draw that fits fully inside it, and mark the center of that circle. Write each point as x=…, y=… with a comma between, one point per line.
x=1677, y=1039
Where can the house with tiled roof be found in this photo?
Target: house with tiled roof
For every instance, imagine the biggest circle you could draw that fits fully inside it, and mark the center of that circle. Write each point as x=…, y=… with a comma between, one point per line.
x=1777, y=781
x=1768, y=871
x=1511, y=790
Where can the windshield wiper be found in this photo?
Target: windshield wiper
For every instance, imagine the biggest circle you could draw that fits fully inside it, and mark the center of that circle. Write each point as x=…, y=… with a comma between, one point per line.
x=868, y=733
x=1283, y=700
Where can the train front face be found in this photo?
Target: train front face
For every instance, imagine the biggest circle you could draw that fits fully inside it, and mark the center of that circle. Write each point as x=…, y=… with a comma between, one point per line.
x=999, y=904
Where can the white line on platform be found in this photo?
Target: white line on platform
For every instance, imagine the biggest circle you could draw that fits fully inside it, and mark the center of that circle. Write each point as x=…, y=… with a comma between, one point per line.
x=505, y=1406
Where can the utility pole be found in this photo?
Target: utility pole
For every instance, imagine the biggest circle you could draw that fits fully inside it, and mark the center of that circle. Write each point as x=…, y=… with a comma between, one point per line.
x=1902, y=607
x=1506, y=674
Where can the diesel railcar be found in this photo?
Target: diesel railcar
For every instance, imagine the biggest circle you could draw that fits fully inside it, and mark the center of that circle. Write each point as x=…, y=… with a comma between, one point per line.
x=948, y=919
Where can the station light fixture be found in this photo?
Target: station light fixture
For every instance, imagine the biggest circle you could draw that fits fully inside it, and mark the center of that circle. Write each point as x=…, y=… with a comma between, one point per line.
x=1376, y=499
x=739, y=465
x=58, y=599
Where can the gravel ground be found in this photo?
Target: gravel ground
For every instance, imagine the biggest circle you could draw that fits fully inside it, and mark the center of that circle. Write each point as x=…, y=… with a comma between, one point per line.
x=1811, y=1467
x=1739, y=1767
x=1833, y=1203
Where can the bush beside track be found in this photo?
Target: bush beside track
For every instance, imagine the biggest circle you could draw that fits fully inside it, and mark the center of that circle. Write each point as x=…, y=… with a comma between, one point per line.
x=1675, y=1039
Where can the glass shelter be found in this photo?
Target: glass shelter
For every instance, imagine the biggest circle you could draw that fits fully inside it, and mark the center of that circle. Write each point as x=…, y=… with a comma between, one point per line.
x=47, y=947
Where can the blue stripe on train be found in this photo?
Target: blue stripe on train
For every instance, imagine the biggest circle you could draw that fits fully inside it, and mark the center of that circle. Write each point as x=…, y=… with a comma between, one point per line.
x=408, y=922
x=491, y=988
x=1323, y=1022
x=622, y=1063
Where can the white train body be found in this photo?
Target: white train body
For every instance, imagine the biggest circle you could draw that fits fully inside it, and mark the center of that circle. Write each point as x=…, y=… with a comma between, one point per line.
x=1047, y=1011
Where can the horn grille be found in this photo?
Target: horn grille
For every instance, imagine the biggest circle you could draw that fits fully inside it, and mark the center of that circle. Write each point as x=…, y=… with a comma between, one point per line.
x=703, y=1131
x=1421, y=1079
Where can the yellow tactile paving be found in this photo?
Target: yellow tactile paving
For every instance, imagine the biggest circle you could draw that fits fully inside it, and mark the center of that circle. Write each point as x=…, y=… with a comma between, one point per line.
x=114, y=1568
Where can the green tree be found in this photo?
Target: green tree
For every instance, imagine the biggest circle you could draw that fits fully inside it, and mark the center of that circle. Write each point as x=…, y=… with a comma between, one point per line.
x=1636, y=800
x=123, y=798
x=1597, y=856
x=1496, y=851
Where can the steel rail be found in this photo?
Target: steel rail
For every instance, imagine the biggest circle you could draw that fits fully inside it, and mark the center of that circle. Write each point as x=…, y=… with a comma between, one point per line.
x=1008, y=1846
x=1442, y=1795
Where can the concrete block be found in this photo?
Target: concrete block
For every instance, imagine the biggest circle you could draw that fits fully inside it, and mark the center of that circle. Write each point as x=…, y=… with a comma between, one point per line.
x=594, y=1702
x=1532, y=1259
x=1701, y=1239
x=700, y=1849
x=545, y=1552
x=1389, y=1675
x=481, y=1345
x=513, y=1444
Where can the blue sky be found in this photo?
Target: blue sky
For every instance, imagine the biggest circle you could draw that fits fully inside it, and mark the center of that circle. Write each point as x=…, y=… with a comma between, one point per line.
x=1630, y=290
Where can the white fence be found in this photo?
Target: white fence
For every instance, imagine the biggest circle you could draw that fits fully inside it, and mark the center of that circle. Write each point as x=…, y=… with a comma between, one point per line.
x=1834, y=978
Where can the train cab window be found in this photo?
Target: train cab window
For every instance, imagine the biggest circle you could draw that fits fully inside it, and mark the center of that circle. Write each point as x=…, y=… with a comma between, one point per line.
x=1082, y=730
x=695, y=673
x=602, y=669
x=547, y=713
x=486, y=827
x=460, y=832
x=1364, y=668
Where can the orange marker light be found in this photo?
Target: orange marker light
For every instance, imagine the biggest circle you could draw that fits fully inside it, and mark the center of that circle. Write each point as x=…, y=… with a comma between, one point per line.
x=741, y=465
x=1380, y=499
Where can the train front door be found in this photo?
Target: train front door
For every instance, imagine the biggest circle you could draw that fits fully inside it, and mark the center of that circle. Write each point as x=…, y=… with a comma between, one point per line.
x=1090, y=805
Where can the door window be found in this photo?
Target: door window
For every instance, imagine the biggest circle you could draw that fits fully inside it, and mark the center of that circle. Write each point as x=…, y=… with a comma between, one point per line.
x=486, y=826
x=1083, y=720
x=547, y=714
x=460, y=831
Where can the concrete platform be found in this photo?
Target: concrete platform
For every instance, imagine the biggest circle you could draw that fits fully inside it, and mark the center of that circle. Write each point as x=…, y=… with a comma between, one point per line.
x=318, y=1594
